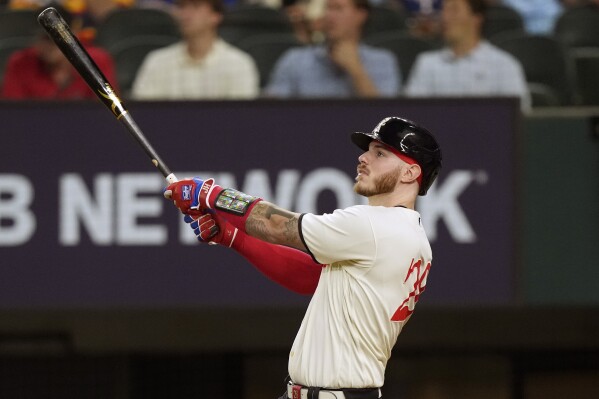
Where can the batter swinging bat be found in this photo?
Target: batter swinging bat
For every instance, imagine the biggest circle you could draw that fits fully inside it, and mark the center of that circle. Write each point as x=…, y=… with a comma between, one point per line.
x=61, y=35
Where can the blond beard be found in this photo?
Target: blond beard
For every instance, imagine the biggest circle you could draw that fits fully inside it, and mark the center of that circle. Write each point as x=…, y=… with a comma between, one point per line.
x=382, y=185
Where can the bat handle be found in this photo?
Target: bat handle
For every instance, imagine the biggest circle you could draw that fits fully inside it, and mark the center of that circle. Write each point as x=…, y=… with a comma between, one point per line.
x=171, y=178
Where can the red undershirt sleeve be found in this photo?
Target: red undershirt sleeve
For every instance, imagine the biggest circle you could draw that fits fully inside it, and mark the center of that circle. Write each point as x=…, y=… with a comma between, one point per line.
x=289, y=267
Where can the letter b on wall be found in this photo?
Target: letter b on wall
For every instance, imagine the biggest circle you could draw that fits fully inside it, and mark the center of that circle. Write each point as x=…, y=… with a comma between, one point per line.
x=17, y=221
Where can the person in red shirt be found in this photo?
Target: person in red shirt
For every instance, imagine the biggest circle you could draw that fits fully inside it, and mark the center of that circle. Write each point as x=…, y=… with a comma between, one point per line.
x=43, y=72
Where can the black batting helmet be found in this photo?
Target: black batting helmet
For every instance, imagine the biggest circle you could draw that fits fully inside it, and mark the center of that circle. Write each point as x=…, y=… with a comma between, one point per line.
x=410, y=139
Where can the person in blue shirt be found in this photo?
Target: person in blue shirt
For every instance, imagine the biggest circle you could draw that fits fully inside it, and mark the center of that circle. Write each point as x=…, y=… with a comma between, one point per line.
x=539, y=15
x=339, y=67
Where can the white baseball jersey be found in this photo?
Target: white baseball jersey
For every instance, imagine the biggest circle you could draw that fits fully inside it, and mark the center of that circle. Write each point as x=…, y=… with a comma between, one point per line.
x=377, y=260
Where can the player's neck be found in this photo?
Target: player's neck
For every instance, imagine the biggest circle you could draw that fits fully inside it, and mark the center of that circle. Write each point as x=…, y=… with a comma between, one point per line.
x=393, y=199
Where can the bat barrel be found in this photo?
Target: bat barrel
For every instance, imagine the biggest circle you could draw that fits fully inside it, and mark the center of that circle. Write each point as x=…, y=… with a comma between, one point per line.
x=60, y=33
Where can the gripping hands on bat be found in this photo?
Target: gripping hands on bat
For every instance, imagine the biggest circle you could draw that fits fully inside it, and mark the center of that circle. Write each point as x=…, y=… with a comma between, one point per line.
x=218, y=216
x=210, y=209
x=195, y=194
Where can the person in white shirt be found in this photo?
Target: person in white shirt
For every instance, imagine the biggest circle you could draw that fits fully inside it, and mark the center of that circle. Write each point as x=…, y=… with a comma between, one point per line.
x=201, y=66
x=468, y=65
x=366, y=265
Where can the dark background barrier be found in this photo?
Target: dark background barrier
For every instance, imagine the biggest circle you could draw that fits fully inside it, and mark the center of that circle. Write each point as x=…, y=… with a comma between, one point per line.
x=95, y=315
x=100, y=235
x=561, y=210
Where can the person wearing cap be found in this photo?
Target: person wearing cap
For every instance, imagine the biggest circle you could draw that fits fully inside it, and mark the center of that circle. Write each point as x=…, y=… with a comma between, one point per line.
x=43, y=72
x=202, y=65
x=365, y=266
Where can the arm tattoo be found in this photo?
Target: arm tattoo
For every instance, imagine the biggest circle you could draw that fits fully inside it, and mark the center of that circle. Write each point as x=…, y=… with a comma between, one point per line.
x=273, y=224
x=255, y=225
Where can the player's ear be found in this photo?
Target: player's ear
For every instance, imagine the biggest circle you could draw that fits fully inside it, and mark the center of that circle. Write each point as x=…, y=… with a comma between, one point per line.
x=410, y=173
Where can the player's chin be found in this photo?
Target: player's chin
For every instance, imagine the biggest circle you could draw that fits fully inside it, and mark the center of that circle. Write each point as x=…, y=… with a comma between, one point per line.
x=361, y=189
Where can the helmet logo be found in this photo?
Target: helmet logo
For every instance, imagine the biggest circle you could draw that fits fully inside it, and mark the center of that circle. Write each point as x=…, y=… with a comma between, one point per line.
x=405, y=147
x=380, y=125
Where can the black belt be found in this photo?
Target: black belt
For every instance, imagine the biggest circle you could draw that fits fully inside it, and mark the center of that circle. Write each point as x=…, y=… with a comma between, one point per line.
x=295, y=391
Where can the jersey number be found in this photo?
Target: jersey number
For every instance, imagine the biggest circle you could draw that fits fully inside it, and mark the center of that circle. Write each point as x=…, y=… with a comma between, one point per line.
x=406, y=309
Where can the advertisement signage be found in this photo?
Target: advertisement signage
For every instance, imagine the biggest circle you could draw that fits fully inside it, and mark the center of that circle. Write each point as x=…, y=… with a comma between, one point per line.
x=83, y=222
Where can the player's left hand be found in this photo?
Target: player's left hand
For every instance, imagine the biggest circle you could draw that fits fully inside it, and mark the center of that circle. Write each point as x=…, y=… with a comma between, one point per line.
x=209, y=227
x=192, y=194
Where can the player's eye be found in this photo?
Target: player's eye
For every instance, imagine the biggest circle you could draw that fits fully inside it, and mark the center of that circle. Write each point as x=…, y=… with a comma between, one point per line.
x=380, y=154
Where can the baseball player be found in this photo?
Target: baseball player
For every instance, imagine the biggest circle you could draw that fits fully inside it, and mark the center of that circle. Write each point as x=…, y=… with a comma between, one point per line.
x=365, y=265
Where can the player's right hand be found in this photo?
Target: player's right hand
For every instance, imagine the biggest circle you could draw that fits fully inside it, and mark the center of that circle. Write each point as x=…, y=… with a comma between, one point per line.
x=211, y=228
x=193, y=194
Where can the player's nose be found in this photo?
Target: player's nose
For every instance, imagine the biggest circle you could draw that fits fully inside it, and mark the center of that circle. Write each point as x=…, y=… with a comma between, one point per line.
x=363, y=158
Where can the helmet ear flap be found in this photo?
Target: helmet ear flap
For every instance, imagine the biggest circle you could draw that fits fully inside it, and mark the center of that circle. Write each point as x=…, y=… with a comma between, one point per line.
x=427, y=181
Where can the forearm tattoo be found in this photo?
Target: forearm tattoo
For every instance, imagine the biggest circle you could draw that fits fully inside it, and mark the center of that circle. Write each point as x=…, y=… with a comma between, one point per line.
x=273, y=224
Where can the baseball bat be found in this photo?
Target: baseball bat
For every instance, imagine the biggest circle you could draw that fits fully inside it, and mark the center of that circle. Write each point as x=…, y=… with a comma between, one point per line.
x=61, y=34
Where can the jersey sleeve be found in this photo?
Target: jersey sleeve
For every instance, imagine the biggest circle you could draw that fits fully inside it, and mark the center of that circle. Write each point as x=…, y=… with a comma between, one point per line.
x=344, y=235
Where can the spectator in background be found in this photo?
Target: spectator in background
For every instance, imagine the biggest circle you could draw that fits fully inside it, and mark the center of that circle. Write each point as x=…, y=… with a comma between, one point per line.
x=539, y=15
x=423, y=17
x=43, y=72
x=579, y=3
x=92, y=13
x=421, y=6
x=201, y=66
x=468, y=65
x=303, y=27
x=342, y=66
x=25, y=4
x=86, y=14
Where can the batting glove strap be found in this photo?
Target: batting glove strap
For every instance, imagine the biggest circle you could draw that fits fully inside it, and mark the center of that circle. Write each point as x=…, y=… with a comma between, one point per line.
x=205, y=193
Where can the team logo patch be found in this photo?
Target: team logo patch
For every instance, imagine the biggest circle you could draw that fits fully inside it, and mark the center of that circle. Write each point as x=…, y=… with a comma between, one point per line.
x=187, y=192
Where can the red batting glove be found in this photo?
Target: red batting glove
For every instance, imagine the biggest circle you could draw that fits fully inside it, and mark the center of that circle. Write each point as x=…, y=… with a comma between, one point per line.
x=196, y=196
x=211, y=228
x=193, y=194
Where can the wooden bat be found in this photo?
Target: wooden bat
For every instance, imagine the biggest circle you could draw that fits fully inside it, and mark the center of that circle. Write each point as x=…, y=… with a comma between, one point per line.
x=61, y=34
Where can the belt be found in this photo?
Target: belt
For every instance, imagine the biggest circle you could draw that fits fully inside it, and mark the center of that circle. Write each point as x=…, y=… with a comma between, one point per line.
x=302, y=392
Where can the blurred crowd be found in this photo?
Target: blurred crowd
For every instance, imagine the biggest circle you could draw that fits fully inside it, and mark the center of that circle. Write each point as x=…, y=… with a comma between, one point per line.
x=234, y=49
